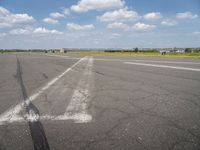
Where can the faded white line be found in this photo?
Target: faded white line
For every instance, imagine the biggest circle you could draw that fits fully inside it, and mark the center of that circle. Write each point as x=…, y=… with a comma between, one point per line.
x=76, y=110
x=133, y=60
x=153, y=61
x=163, y=66
x=57, y=55
x=77, y=107
x=77, y=118
x=61, y=56
x=11, y=114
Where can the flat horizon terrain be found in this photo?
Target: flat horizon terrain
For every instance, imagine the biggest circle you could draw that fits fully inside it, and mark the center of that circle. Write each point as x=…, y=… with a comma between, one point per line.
x=81, y=102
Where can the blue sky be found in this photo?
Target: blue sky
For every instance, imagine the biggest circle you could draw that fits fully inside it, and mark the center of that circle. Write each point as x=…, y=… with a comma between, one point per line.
x=99, y=23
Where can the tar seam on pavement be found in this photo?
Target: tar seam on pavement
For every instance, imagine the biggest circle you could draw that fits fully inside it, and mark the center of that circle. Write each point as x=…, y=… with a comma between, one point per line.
x=37, y=131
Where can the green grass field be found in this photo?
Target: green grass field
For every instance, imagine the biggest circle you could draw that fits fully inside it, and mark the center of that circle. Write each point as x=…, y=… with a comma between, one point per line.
x=143, y=54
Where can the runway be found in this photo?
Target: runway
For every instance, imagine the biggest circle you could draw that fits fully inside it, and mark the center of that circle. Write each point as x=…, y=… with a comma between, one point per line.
x=80, y=102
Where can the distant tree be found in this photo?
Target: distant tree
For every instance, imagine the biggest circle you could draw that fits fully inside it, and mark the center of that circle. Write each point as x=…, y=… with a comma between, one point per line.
x=197, y=50
x=153, y=50
x=188, y=50
x=136, y=49
x=164, y=53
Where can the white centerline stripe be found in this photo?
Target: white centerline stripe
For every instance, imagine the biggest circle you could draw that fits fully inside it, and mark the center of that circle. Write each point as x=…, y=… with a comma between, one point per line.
x=163, y=66
x=154, y=61
x=57, y=55
x=10, y=114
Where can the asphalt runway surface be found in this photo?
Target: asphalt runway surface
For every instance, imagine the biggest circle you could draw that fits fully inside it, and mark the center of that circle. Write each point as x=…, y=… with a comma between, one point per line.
x=74, y=102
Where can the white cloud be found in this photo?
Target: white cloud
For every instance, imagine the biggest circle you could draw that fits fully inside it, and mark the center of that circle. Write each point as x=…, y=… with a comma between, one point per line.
x=73, y=26
x=118, y=15
x=153, y=16
x=45, y=31
x=56, y=15
x=196, y=33
x=114, y=36
x=169, y=22
x=2, y=34
x=143, y=27
x=86, y=5
x=186, y=15
x=50, y=21
x=8, y=19
x=118, y=25
x=66, y=11
x=20, y=31
x=27, y=31
x=21, y=18
x=3, y=11
x=137, y=27
x=5, y=25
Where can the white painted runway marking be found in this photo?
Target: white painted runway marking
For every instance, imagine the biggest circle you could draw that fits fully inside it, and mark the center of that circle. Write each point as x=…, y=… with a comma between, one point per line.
x=163, y=66
x=154, y=61
x=62, y=56
x=57, y=56
x=11, y=114
x=133, y=60
x=76, y=110
x=77, y=107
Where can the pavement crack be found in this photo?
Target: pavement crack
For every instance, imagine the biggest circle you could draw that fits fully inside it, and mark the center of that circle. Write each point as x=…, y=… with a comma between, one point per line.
x=97, y=72
x=45, y=76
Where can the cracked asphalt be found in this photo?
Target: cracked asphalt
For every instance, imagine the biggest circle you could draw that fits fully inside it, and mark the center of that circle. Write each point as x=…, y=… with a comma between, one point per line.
x=132, y=107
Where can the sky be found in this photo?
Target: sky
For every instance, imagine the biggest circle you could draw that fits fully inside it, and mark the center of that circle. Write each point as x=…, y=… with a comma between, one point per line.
x=49, y=24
